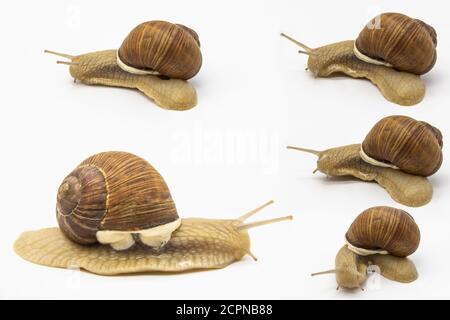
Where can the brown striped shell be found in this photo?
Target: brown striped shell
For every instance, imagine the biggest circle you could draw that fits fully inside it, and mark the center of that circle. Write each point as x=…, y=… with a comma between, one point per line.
x=161, y=47
x=412, y=146
x=385, y=228
x=112, y=191
x=405, y=43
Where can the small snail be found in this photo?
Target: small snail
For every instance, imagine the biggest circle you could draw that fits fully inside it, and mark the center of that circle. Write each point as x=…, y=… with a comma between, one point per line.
x=381, y=237
x=116, y=216
x=352, y=270
x=404, y=143
x=398, y=153
x=392, y=55
x=156, y=58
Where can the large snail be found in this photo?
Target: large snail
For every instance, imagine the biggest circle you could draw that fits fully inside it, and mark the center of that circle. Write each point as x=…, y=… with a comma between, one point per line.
x=398, y=153
x=392, y=51
x=381, y=237
x=116, y=198
x=155, y=58
x=116, y=215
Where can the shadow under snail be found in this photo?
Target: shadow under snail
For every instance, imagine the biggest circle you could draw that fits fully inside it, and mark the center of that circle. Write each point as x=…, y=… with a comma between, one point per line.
x=156, y=58
x=398, y=153
x=392, y=51
x=116, y=216
x=381, y=237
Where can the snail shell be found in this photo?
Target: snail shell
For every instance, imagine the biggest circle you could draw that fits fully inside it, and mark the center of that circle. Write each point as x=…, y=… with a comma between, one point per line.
x=160, y=47
x=404, y=143
x=391, y=230
x=398, y=41
x=116, y=198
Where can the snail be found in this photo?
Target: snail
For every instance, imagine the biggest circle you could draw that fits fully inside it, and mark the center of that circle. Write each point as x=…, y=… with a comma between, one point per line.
x=398, y=41
x=392, y=55
x=407, y=189
x=381, y=237
x=116, y=198
x=404, y=143
x=383, y=230
x=156, y=58
x=116, y=216
x=398, y=153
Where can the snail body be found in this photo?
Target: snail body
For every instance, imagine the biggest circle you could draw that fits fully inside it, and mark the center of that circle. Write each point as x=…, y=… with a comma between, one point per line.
x=404, y=143
x=196, y=244
x=405, y=188
x=402, y=88
x=352, y=270
x=381, y=237
x=394, y=268
x=398, y=152
x=156, y=58
x=392, y=56
x=100, y=68
x=116, y=216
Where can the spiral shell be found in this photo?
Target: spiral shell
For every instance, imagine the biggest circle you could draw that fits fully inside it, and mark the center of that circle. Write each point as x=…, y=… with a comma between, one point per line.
x=160, y=47
x=116, y=194
x=399, y=41
x=407, y=144
x=385, y=228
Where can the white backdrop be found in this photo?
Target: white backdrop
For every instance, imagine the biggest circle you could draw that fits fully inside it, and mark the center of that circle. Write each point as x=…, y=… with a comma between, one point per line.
x=222, y=158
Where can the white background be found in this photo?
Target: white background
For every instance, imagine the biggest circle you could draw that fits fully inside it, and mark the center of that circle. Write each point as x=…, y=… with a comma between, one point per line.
x=222, y=158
